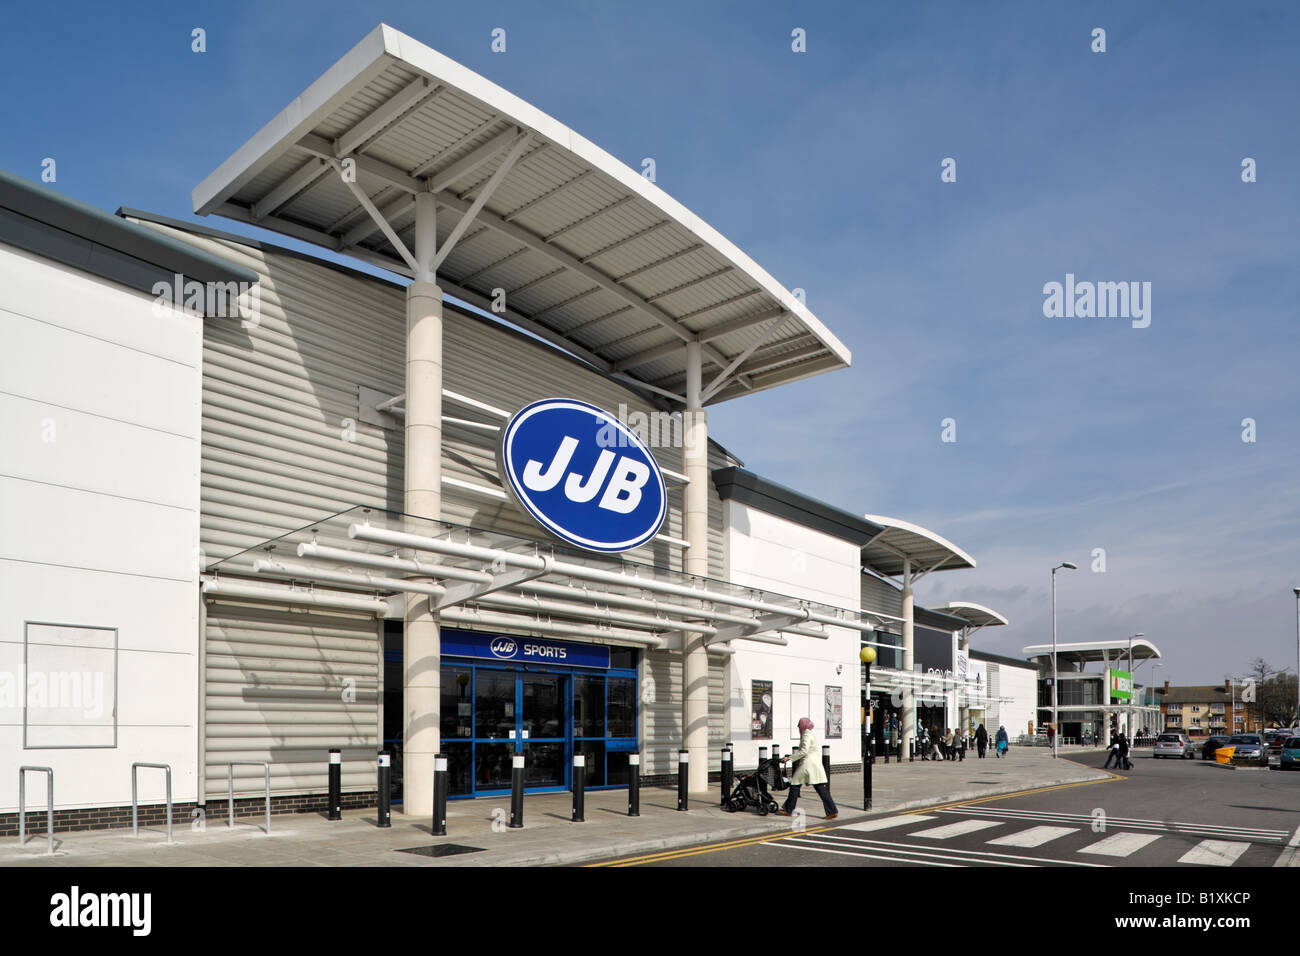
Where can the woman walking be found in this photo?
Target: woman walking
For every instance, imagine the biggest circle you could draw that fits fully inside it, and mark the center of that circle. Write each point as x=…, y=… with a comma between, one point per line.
x=981, y=740
x=810, y=772
x=1003, y=741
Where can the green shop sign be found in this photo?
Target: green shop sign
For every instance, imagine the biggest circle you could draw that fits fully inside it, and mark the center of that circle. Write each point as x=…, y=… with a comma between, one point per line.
x=1121, y=685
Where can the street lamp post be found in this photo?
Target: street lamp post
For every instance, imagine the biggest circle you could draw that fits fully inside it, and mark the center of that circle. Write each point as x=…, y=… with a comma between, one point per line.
x=1056, y=736
x=1131, y=683
x=1297, y=654
x=1155, y=699
x=868, y=657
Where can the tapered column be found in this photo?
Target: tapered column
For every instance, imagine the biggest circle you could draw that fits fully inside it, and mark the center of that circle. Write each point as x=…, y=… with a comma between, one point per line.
x=421, y=647
x=695, y=518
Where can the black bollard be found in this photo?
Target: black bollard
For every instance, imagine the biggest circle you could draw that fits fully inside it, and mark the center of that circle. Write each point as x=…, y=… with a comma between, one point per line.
x=439, y=824
x=633, y=785
x=776, y=764
x=683, y=779
x=911, y=751
x=336, y=785
x=579, y=787
x=516, y=791
x=762, y=755
x=866, y=772
x=385, y=812
x=826, y=760
x=726, y=775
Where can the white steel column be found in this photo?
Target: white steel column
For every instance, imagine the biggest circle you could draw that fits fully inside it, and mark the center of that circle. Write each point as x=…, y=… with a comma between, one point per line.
x=963, y=645
x=909, y=695
x=695, y=520
x=421, y=645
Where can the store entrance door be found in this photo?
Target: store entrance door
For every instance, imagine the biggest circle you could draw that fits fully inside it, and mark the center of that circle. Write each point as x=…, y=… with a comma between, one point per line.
x=520, y=712
x=543, y=721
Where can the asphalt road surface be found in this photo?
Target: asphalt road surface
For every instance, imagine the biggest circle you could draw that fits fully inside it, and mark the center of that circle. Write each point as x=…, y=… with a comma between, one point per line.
x=1161, y=813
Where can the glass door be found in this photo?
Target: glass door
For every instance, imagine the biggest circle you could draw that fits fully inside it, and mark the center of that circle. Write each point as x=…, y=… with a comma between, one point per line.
x=496, y=724
x=543, y=721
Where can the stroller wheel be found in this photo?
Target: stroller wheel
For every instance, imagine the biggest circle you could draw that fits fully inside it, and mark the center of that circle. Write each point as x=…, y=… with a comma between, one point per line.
x=762, y=810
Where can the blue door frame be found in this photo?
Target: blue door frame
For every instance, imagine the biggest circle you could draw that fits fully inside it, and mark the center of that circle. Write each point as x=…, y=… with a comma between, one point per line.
x=567, y=674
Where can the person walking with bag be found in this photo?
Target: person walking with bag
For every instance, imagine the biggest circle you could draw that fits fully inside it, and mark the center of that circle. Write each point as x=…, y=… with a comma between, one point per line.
x=810, y=772
x=981, y=740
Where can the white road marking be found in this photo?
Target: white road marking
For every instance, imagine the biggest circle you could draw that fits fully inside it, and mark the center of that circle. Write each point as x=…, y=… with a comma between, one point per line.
x=870, y=856
x=1053, y=816
x=982, y=856
x=885, y=822
x=1291, y=855
x=1121, y=844
x=955, y=829
x=1214, y=853
x=1034, y=836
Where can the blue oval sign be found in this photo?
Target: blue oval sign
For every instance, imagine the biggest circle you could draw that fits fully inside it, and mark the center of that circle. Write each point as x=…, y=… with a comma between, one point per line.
x=583, y=475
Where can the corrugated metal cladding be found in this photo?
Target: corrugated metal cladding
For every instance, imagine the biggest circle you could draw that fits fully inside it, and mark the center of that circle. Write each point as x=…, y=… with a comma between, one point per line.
x=993, y=718
x=284, y=686
x=881, y=597
x=283, y=447
x=282, y=442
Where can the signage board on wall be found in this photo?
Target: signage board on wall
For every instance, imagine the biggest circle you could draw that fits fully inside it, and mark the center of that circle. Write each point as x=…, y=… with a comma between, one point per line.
x=834, y=712
x=760, y=710
x=522, y=650
x=1121, y=685
x=583, y=475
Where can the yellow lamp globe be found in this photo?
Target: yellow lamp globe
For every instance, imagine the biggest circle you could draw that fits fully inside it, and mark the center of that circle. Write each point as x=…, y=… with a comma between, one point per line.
x=867, y=655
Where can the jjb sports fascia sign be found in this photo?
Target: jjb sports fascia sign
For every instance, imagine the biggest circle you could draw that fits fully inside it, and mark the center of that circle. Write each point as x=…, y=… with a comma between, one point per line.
x=583, y=475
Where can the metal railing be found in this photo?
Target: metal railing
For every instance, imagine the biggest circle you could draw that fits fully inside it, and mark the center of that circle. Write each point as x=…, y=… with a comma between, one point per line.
x=135, y=803
x=230, y=787
x=49, y=808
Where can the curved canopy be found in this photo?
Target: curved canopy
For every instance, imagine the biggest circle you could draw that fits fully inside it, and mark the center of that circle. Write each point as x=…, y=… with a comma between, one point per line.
x=588, y=253
x=976, y=615
x=1087, y=652
x=900, y=539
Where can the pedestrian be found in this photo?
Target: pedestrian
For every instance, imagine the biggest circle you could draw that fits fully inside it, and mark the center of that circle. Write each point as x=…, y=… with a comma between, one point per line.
x=1003, y=741
x=810, y=772
x=981, y=740
x=1051, y=735
x=947, y=744
x=1125, y=763
x=961, y=746
x=936, y=744
x=1113, y=754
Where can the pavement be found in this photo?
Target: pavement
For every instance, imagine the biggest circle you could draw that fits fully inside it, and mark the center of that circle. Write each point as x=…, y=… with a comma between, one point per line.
x=477, y=834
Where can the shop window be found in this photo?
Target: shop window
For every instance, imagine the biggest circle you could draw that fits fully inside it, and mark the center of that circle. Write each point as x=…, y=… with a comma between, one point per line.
x=622, y=707
x=589, y=707
x=457, y=703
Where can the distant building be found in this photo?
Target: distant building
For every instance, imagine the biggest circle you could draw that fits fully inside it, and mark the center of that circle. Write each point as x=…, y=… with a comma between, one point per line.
x=1205, y=710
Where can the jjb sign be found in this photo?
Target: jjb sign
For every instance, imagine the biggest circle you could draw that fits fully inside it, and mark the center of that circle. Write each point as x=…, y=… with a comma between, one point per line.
x=583, y=475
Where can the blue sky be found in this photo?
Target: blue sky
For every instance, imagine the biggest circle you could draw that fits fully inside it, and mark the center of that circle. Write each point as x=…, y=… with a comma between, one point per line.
x=1072, y=434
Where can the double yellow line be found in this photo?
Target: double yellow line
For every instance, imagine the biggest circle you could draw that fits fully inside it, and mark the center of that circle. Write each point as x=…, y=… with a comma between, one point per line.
x=710, y=848
x=769, y=838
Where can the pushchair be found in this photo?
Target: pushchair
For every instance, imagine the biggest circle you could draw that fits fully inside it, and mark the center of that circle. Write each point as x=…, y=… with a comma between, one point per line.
x=754, y=789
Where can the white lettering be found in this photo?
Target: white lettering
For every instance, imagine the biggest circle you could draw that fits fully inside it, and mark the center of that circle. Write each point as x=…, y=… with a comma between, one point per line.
x=537, y=480
x=624, y=491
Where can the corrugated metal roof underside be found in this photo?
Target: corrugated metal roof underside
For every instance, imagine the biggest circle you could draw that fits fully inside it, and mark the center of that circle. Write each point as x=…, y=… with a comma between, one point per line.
x=582, y=246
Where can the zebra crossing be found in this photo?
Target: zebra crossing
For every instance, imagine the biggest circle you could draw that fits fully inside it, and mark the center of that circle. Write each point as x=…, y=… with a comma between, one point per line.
x=1075, y=839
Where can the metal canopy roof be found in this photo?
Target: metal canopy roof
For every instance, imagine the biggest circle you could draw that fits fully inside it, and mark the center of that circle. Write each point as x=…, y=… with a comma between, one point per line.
x=902, y=539
x=591, y=255
x=368, y=560
x=1087, y=652
x=976, y=615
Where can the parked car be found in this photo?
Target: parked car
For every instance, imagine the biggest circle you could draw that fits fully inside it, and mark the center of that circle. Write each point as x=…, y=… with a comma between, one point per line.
x=1210, y=746
x=1288, y=758
x=1174, y=745
x=1278, y=737
x=1246, y=746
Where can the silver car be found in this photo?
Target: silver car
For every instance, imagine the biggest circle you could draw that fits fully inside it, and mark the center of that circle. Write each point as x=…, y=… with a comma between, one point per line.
x=1175, y=745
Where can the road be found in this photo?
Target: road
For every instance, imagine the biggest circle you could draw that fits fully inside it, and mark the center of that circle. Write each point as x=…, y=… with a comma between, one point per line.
x=1162, y=813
